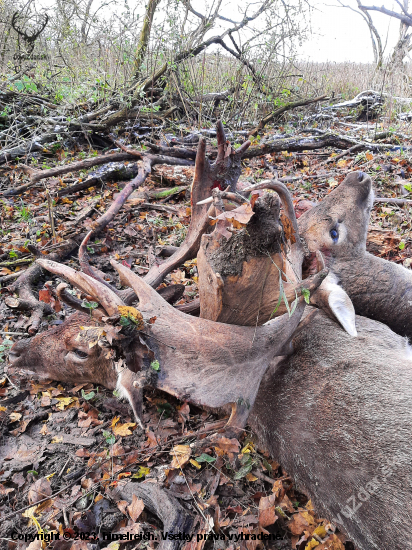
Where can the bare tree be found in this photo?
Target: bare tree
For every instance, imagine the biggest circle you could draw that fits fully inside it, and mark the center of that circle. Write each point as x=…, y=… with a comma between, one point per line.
x=404, y=45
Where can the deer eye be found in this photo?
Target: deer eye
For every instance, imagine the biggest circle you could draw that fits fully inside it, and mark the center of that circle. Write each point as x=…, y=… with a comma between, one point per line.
x=334, y=234
x=81, y=354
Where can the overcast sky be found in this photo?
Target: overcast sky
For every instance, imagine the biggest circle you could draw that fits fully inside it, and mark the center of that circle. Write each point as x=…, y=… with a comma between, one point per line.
x=339, y=34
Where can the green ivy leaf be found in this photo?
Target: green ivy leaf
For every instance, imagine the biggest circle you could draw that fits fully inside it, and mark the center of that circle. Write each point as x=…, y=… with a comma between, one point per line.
x=205, y=458
x=155, y=365
x=88, y=396
x=244, y=471
x=110, y=438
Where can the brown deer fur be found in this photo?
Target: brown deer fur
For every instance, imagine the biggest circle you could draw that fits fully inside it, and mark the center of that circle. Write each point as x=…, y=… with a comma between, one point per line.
x=336, y=414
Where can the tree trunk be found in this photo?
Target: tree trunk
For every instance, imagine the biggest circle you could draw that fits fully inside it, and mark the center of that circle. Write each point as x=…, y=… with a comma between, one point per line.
x=144, y=38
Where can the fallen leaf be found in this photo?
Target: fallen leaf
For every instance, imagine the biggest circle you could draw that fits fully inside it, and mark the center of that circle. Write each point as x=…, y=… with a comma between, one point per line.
x=135, y=508
x=66, y=402
x=132, y=313
x=5, y=490
x=332, y=543
x=267, y=513
x=239, y=217
x=313, y=543
x=125, y=429
x=228, y=445
x=181, y=455
x=300, y=522
x=39, y=490
x=45, y=295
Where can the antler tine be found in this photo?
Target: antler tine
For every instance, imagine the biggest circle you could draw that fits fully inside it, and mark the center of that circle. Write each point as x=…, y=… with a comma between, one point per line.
x=243, y=148
x=105, y=296
x=144, y=292
x=87, y=268
x=200, y=165
x=75, y=303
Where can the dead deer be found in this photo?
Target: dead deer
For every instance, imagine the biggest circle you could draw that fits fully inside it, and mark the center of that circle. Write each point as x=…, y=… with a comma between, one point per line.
x=202, y=360
x=208, y=363
x=336, y=414
x=379, y=289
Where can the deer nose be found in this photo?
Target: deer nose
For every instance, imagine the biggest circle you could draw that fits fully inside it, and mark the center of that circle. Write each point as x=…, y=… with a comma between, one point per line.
x=15, y=352
x=361, y=175
x=13, y=356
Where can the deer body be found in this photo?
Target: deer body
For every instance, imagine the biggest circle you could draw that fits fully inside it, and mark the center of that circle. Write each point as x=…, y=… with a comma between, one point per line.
x=336, y=414
x=379, y=290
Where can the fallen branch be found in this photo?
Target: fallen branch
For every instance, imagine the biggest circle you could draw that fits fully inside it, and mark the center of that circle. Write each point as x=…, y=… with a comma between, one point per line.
x=281, y=110
x=297, y=144
x=399, y=202
x=38, y=175
x=176, y=520
x=352, y=149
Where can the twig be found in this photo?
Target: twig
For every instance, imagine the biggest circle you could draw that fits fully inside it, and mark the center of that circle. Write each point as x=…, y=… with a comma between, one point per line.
x=14, y=333
x=352, y=149
x=51, y=219
x=399, y=202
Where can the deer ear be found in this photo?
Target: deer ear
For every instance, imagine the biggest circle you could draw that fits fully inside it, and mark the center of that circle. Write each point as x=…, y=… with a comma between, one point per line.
x=333, y=300
x=342, y=309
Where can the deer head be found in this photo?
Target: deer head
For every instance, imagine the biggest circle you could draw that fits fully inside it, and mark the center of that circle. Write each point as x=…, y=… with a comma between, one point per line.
x=208, y=363
x=337, y=227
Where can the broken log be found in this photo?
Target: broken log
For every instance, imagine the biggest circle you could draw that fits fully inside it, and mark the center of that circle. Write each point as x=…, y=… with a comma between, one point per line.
x=278, y=112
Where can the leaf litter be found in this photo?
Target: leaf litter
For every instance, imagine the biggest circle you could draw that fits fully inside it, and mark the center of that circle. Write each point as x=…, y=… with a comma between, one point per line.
x=65, y=448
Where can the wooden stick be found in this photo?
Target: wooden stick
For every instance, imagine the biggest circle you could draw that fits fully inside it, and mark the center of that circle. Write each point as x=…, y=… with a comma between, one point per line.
x=390, y=200
x=352, y=149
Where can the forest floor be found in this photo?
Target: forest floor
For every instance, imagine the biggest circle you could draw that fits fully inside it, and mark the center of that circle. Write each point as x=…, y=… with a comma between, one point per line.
x=71, y=446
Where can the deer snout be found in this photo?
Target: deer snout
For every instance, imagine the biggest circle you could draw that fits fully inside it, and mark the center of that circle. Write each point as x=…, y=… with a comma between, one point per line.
x=16, y=352
x=361, y=175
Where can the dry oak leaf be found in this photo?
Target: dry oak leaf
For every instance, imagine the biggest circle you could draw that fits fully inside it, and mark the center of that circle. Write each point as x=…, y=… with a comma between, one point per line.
x=135, y=508
x=300, y=522
x=239, y=217
x=267, y=513
x=122, y=505
x=39, y=490
x=228, y=445
x=181, y=455
x=333, y=543
x=125, y=429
